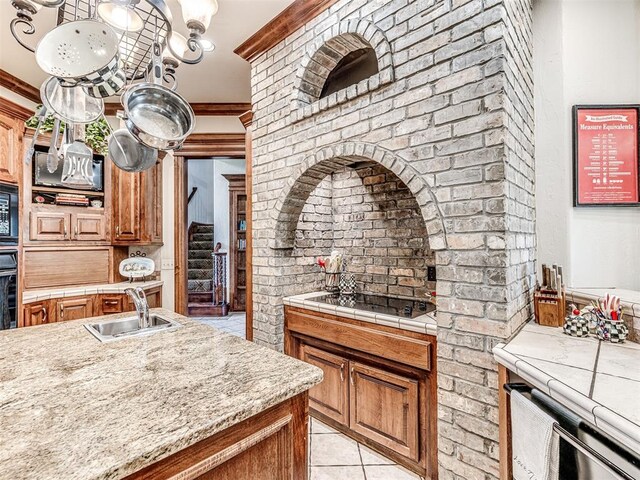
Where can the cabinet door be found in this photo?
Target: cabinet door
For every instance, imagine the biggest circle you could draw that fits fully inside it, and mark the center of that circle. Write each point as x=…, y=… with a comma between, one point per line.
x=384, y=407
x=89, y=226
x=10, y=140
x=126, y=206
x=331, y=396
x=154, y=297
x=36, y=313
x=153, y=203
x=73, y=308
x=49, y=226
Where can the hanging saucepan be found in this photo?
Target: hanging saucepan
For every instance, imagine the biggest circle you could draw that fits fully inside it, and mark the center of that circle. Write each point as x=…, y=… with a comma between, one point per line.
x=109, y=87
x=130, y=155
x=70, y=104
x=79, y=52
x=157, y=116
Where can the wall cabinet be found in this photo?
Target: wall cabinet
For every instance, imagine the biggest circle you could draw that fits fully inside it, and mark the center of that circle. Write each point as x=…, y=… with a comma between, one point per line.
x=60, y=225
x=10, y=145
x=137, y=206
x=379, y=383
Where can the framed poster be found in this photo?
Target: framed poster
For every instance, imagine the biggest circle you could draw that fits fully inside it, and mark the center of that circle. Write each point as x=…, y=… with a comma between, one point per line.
x=606, y=160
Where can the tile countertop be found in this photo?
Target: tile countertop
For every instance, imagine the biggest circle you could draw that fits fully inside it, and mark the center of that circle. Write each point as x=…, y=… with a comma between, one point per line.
x=600, y=381
x=423, y=324
x=91, y=410
x=29, y=296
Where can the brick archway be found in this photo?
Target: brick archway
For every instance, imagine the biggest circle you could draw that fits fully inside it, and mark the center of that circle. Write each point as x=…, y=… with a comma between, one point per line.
x=330, y=48
x=308, y=175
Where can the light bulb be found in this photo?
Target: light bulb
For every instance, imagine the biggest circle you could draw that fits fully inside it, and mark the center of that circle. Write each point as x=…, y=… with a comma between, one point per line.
x=197, y=13
x=120, y=17
x=207, y=45
x=178, y=45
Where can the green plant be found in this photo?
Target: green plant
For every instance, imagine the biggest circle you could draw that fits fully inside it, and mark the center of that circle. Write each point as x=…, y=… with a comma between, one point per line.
x=96, y=133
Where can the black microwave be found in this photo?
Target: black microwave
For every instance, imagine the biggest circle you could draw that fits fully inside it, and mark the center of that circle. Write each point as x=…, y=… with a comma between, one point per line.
x=43, y=177
x=9, y=212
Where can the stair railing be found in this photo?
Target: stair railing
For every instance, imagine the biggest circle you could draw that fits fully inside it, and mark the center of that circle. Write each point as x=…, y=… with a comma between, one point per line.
x=192, y=194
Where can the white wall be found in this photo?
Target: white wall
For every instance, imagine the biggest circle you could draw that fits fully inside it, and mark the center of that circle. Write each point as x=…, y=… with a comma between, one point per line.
x=585, y=52
x=200, y=176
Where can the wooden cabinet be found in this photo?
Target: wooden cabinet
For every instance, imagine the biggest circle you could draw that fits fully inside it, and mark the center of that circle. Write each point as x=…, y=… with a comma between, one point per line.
x=36, y=313
x=137, y=206
x=332, y=395
x=10, y=145
x=53, y=226
x=237, y=241
x=107, y=304
x=379, y=384
x=88, y=227
x=73, y=308
x=384, y=407
x=60, y=226
x=127, y=206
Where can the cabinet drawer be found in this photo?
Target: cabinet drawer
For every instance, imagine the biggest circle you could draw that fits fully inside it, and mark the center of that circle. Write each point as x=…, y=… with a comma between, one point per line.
x=111, y=304
x=384, y=407
x=331, y=396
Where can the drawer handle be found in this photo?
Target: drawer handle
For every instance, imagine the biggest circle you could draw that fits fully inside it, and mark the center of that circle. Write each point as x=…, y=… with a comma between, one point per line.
x=44, y=314
x=117, y=230
x=342, y=372
x=352, y=377
x=76, y=230
x=111, y=302
x=65, y=231
x=61, y=312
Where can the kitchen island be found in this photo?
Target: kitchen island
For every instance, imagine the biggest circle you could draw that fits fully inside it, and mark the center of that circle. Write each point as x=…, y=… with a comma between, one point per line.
x=193, y=401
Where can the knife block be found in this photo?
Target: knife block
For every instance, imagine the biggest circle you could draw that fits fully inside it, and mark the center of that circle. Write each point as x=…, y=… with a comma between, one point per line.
x=550, y=307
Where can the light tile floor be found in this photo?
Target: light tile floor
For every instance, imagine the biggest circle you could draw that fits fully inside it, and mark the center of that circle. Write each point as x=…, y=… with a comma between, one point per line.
x=234, y=323
x=332, y=455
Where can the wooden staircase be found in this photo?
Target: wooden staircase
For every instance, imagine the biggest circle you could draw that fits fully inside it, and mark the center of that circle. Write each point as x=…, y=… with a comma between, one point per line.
x=200, y=272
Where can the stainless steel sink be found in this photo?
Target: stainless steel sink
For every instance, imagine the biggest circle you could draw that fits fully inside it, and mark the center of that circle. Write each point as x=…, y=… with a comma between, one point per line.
x=128, y=327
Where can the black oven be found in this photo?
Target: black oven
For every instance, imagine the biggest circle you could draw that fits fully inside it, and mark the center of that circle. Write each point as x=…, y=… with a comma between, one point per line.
x=8, y=289
x=9, y=209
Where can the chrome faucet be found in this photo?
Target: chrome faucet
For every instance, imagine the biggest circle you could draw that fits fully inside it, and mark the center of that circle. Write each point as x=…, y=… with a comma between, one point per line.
x=142, y=307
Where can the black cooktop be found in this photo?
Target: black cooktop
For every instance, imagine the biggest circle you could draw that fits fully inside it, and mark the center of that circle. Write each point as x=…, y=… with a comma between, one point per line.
x=378, y=304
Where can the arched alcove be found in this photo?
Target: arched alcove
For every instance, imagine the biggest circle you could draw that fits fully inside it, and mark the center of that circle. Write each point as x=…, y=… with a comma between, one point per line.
x=353, y=56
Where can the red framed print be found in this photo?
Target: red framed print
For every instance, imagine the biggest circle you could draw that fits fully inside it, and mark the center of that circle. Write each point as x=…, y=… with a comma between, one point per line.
x=606, y=158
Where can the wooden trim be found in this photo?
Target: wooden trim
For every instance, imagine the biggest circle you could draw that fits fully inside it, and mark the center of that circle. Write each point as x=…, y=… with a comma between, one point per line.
x=208, y=145
x=246, y=118
x=249, y=235
x=14, y=110
x=199, y=109
x=181, y=298
x=298, y=14
x=19, y=87
x=505, y=425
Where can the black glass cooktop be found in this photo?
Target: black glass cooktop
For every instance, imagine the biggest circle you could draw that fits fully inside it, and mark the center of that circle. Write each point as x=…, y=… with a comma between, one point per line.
x=379, y=304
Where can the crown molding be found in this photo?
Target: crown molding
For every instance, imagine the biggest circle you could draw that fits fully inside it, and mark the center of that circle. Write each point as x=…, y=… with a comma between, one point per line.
x=246, y=118
x=296, y=15
x=207, y=145
x=19, y=87
x=14, y=110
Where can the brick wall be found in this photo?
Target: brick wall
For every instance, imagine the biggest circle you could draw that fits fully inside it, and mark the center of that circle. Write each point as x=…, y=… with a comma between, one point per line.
x=452, y=119
x=374, y=220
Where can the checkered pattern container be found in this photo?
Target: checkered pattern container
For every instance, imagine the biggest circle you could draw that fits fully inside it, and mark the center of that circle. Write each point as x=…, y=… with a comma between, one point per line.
x=576, y=326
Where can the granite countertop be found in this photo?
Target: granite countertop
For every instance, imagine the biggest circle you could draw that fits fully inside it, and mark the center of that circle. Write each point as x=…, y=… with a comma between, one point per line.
x=74, y=408
x=424, y=323
x=600, y=381
x=75, y=290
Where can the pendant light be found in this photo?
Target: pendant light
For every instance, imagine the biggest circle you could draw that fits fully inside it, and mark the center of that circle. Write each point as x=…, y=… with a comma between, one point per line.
x=120, y=17
x=197, y=14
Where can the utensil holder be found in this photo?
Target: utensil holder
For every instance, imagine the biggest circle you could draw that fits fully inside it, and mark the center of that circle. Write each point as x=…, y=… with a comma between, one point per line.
x=550, y=307
x=347, y=284
x=576, y=326
x=332, y=282
x=614, y=331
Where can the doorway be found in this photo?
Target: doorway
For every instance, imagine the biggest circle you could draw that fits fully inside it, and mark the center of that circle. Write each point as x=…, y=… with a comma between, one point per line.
x=212, y=231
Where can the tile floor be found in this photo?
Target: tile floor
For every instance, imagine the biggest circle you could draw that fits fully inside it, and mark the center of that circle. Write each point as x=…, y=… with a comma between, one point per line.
x=332, y=455
x=234, y=323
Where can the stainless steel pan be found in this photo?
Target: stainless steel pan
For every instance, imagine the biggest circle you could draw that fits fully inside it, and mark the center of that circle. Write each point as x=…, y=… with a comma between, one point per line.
x=129, y=155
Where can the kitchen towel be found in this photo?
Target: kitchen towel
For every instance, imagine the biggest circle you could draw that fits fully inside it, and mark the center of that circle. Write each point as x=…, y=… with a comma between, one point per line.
x=534, y=442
